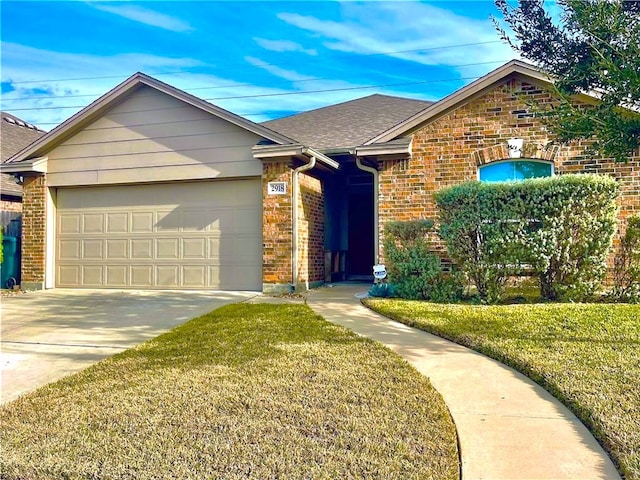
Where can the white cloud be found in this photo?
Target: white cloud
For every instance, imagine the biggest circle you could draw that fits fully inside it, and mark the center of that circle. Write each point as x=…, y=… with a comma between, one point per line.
x=45, y=73
x=284, y=46
x=401, y=28
x=146, y=16
x=277, y=71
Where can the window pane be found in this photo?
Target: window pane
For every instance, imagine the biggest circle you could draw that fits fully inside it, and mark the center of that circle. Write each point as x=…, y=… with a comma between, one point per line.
x=498, y=172
x=531, y=170
x=515, y=170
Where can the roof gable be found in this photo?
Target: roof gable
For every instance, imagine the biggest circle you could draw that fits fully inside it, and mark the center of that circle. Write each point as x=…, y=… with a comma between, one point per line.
x=119, y=94
x=462, y=96
x=348, y=124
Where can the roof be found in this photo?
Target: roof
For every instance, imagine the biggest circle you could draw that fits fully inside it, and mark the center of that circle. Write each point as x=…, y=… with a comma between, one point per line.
x=116, y=95
x=348, y=124
x=461, y=96
x=15, y=134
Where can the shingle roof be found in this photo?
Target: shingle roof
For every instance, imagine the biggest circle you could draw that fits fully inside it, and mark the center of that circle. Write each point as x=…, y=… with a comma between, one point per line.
x=347, y=124
x=15, y=134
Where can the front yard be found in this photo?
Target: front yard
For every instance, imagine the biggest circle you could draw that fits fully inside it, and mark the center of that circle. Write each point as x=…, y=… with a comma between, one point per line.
x=246, y=391
x=587, y=355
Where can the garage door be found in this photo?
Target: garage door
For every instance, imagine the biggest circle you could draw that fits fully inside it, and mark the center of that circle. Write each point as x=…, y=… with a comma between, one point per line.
x=183, y=235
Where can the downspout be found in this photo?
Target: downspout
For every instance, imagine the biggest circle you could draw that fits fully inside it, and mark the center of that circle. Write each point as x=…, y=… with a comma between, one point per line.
x=376, y=239
x=294, y=221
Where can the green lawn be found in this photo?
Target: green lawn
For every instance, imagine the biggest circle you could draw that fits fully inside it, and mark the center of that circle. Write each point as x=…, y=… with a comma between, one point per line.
x=247, y=391
x=587, y=355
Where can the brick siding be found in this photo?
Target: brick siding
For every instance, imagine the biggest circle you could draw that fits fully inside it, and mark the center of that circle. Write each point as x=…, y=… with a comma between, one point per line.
x=310, y=230
x=450, y=149
x=10, y=206
x=276, y=226
x=33, y=231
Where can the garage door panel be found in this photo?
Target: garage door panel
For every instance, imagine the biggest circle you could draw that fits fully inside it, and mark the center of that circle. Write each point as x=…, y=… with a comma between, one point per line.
x=142, y=248
x=117, y=275
x=142, y=222
x=195, y=248
x=68, y=275
x=198, y=235
x=93, y=223
x=69, y=249
x=117, y=249
x=167, y=248
x=167, y=275
x=69, y=223
x=195, y=276
x=142, y=276
x=92, y=250
x=117, y=222
x=92, y=275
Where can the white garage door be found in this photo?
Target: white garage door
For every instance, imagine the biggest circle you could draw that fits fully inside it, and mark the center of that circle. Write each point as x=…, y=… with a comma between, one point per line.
x=205, y=235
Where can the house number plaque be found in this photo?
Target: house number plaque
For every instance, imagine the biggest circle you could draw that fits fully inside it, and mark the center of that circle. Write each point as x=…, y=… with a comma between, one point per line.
x=276, y=188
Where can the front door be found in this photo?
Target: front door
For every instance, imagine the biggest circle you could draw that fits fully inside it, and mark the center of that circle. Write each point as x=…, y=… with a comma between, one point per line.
x=360, y=255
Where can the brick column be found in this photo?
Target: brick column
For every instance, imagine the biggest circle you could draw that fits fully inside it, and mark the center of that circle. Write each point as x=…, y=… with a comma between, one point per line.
x=310, y=231
x=276, y=229
x=34, y=218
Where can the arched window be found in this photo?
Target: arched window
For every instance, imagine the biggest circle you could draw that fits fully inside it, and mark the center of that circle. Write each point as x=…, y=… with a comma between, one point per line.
x=514, y=170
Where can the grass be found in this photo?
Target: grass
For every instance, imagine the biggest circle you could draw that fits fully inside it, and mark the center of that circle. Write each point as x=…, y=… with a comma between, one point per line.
x=587, y=355
x=246, y=391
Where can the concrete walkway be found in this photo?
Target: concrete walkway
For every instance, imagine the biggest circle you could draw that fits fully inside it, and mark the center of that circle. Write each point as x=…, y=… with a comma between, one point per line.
x=508, y=427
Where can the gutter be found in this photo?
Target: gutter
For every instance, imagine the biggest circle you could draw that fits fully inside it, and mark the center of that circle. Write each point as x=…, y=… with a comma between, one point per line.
x=33, y=165
x=376, y=189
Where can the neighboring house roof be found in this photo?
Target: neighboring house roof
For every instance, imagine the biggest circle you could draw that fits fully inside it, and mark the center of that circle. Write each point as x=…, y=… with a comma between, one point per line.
x=15, y=134
x=116, y=95
x=462, y=96
x=348, y=124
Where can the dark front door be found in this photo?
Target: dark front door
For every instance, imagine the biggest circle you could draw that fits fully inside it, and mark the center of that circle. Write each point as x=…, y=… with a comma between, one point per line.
x=360, y=232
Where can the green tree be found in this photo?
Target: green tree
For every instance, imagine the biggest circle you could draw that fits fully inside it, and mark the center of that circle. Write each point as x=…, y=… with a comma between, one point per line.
x=593, y=48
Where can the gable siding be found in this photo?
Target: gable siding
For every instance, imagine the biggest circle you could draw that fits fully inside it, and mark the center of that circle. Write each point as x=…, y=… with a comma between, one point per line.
x=449, y=150
x=150, y=137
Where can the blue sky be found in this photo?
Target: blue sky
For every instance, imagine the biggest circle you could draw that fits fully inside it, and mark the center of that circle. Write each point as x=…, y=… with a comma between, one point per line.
x=257, y=59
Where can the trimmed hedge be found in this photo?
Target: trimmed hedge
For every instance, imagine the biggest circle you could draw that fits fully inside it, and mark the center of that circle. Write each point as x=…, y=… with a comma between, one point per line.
x=559, y=228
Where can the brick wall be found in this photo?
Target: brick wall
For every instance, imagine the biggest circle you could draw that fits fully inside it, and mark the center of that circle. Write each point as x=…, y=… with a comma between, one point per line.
x=33, y=231
x=449, y=150
x=10, y=206
x=310, y=230
x=276, y=226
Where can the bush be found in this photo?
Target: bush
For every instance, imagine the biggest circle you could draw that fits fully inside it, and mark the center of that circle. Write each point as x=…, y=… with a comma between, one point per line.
x=559, y=227
x=412, y=268
x=447, y=288
x=480, y=235
x=626, y=269
x=382, y=290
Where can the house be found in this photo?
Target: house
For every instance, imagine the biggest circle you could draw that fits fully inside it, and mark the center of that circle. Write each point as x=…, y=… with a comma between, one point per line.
x=150, y=187
x=15, y=134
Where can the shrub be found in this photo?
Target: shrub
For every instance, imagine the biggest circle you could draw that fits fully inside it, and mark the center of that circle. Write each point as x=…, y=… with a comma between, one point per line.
x=411, y=266
x=577, y=215
x=560, y=227
x=481, y=235
x=447, y=288
x=626, y=269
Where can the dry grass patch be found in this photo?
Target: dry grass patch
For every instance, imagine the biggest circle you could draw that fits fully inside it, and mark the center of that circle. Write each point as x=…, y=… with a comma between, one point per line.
x=587, y=355
x=247, y=391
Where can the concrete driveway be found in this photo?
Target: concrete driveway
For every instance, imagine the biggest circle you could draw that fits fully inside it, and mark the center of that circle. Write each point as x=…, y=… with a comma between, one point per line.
x=47, y=335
